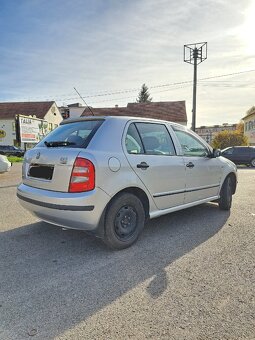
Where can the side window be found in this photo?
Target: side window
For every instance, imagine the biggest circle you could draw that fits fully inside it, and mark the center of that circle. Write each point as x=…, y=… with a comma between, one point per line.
x=191, y=146
x=133, y=141
x=243, y=151
x=156, y=139
x=228, y=151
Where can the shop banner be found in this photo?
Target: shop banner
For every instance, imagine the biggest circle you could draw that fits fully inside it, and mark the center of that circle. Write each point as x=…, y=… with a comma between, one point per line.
x=31, y=129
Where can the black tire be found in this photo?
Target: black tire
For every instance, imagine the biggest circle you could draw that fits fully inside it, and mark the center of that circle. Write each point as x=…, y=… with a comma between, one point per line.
x=253, y=163
x=226, y=192
x=124, y=221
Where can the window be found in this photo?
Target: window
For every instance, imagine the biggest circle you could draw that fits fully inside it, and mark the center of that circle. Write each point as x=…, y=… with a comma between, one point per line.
x=228, y=151
x=242, y=151
x=191, y=146
x=149, y=138
x=77, y=134
x=133, y=141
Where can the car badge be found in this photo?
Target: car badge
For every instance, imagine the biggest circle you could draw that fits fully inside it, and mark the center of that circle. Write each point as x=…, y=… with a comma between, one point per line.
x=63, y=160
x=38, y=155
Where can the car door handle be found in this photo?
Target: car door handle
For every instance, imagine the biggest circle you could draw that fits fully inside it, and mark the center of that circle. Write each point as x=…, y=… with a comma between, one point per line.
x=142, y=165
x=190, y=165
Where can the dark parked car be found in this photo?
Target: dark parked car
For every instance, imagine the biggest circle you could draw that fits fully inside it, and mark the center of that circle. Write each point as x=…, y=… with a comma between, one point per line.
x=10, y=150
x=240, y=155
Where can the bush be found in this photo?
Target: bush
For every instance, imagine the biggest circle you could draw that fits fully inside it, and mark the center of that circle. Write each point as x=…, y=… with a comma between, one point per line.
x=15, y=159
x=226, y=138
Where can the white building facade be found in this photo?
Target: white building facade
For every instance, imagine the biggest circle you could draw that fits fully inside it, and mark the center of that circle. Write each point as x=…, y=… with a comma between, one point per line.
x=47, y=112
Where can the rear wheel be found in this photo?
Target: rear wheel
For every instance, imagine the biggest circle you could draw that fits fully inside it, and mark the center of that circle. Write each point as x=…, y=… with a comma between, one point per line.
x=253, y=162
x=226, y=192
x=124, y=221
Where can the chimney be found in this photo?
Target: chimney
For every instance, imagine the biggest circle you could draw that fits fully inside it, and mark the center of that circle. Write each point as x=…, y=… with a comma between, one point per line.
x=116, y=106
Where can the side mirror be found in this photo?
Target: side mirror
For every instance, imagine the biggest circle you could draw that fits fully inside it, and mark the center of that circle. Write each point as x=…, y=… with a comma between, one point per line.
x=216, y=153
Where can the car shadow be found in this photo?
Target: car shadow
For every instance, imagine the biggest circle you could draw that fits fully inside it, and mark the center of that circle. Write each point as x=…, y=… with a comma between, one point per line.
x=53, y=279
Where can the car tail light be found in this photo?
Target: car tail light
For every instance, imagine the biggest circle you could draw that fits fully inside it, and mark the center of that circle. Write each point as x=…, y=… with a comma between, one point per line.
x=82, y=176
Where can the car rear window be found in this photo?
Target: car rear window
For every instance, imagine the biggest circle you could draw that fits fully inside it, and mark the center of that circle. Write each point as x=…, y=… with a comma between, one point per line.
x=73, y=135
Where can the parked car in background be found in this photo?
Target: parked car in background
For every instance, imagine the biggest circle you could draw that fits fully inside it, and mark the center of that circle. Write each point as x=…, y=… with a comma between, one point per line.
x=240, y=155
x=10, y=150
x=5, y=165
x=108, y=175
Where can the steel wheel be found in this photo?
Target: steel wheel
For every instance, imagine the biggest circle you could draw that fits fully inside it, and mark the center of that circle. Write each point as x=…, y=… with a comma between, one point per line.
x=124, y=221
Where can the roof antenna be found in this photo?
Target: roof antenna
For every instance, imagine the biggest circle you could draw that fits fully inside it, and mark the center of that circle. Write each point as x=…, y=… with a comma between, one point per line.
x=84, y=102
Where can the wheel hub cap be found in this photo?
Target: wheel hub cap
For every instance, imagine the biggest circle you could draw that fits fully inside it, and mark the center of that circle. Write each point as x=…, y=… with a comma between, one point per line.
x=125, y=222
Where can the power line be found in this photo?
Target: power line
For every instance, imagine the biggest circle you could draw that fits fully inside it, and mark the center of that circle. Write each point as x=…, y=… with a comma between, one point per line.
x=110, y=93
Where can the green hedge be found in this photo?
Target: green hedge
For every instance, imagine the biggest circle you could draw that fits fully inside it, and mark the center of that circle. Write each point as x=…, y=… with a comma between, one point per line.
x=15, y=159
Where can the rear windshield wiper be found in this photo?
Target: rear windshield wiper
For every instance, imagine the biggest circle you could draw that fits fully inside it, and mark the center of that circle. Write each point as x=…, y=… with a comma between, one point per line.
x=58, y=143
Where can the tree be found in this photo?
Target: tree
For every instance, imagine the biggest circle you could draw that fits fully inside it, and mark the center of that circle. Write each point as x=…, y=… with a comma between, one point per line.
x=144, y=95
x=226, y=138
x=240, y=127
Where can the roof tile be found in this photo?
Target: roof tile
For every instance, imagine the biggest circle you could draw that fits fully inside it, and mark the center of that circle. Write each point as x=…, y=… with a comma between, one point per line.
x=9, y=110
x=170, y=111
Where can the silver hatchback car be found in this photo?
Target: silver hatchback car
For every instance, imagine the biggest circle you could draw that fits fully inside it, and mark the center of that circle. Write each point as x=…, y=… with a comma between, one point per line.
x=108, y=175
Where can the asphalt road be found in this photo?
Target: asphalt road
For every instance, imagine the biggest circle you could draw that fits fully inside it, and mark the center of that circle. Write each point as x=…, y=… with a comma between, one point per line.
x=191, y=275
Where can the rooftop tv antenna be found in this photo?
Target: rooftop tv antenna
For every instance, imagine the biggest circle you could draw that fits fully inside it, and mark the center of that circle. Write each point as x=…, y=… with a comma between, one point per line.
x=84, y=102
x=195, y=54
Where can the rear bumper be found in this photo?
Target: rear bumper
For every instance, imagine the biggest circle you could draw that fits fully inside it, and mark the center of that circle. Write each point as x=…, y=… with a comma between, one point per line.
x=70, y=210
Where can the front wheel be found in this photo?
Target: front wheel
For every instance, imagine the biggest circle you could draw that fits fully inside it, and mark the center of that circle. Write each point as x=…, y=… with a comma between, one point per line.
x=226, y=192
x=124, y=221
x=253, y=162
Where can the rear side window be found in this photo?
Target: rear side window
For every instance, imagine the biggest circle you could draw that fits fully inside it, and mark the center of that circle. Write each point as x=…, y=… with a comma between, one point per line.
x=150, y=139
x=133, y=141
x=242, y=151
x=74, y=135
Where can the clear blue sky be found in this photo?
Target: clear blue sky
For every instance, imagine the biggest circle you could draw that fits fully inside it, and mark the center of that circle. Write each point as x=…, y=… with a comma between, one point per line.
x=100, y=46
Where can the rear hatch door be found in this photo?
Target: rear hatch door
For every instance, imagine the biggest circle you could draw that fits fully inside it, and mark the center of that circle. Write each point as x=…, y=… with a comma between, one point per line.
x=49, y=168
x=49, y=165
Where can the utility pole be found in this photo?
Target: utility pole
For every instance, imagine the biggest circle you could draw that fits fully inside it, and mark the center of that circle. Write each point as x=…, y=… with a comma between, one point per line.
x=195, y=54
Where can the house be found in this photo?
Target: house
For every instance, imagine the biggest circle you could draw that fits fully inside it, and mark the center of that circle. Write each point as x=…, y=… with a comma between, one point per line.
x=46, y=112
x=249, y=127
x=72, y=110
x=208, y=132
x=174, y=111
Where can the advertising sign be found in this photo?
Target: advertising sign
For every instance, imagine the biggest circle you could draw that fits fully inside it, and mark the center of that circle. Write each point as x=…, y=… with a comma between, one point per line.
x=31, y=129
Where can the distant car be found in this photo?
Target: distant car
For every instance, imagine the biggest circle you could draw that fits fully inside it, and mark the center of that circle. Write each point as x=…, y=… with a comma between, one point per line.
x=10, y=150
x=108, y=175
x=240, y=155
x=5, y=165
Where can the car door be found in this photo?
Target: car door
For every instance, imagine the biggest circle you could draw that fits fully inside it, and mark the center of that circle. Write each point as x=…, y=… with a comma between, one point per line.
x=203, y=173
x=241, y=155
x=151, y=154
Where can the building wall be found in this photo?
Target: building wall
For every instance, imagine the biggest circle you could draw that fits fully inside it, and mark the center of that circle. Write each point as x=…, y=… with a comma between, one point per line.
x=7, y=126
x=249, y=128
x=73, y=111
x=76, y=112
x=53, y=117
